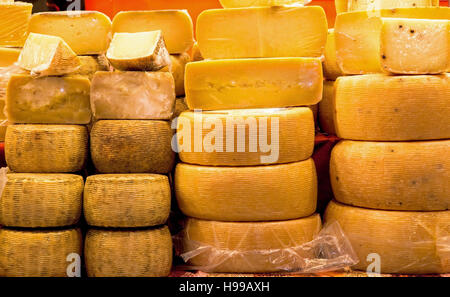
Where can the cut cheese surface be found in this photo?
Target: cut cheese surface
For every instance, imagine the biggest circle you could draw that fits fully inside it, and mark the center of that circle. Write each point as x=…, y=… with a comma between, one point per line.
x=127, y=200
x=407, y=242
x=253, y=83
x=260, y=3
x=327, y=108
x=92, y=64
x=249, y=247
x=176, y=26
x=331, y=68
x=48, y=100
x=378, y=107
x=14, y=19
x=133, y=95
x=46, y=148
x=9, y=56
x=132, y=147
x=262, y=193
x=177, y=68
x=260, y=32
x=246, y=137
x=41, y=200
x=128, y=253
x=86, y=32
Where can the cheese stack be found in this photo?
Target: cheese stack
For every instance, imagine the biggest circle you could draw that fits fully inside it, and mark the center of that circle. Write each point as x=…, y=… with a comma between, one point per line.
x=390, y=175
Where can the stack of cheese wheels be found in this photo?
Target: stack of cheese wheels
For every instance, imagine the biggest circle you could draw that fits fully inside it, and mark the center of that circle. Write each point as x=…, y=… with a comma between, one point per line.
x=391, y=174
x=247, y=181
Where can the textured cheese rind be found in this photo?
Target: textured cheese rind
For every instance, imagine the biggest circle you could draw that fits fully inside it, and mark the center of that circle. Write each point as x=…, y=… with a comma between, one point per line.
x=92, y=64
x=48, y=100
x=259, y=247
x=38, y=253
x=260, y=3
x=407, y=242
x=294, y=136
x=331, y=68
x=86, y=32
x=128, y=253
x=46, y=148
x=127, y=200
x=177, y=69
x=132, y=147
x=176, y=26
x=261, y=193
x=378, y=107
x=14, y=19
x=260, y=32
x=9, y=56
x=264, y=83
x=326, y=108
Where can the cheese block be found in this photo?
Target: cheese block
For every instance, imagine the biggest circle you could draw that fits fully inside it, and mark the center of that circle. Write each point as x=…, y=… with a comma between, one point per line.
x=9, y=56
x=133, y=95
x=177, y=68
x=246, y=137
x=377, y=107
x=38, y=253
x=327, y=108
x=132, y=147
x=176, y=26
x=253, y=83
x=406, y=242
x=91, y=64
x=41, y=200
x=127, y=200
x=260, y=3
x=331, y=68
x=260, y=32
x=48, y=100
x=46, y=148
x=243, y=247
x=196, y=54
x=142, y=51
x=128, y=253
x=262, y=193
x=86, y=32
x=14, y=19
x=45, y=55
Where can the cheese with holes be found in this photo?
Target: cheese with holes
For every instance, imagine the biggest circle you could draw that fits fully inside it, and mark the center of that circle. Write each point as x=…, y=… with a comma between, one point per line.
x=46, y=148
x=127, y=200
x=132, y=147
x=260, y=32
x=377, y=107
x=41, y=200
x=267, y=193
x=406, y=242
x=176, y=26
x=48, y=100
x=14, y=19
x=38, y=253
x=245, y=247
x=260, y=3
x=128, y=253
x=9, y=56
x=92, y=64
x=246, y=137
x=86, y=32
x=331, y=68
x=177, y=68
x=133, y=95
x=253, y=83
x=326, y=108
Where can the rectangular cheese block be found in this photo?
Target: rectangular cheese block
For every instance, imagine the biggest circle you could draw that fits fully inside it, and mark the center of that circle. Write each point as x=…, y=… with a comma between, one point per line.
x=260, y=32
x=8, y=56
x=253, y=83
x=14, y=18
x=176, y=26
x=48, y=100
x=259, y=3
x=86, y=32
x=133, y=95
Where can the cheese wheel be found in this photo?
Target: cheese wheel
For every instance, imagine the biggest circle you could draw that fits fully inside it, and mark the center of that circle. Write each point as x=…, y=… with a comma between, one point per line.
x=14, y=19
x=46, y=148
x=127, y=200
x=407, y=242
x=267, y=193
x=41, y=200
x=326, y=108
x=128, y=253
x=42, y=253
x=132, y=147
x=249, y=247
x=331, y=68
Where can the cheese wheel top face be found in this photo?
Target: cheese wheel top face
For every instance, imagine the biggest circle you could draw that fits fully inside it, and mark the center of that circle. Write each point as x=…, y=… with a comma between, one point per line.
x=14, y=19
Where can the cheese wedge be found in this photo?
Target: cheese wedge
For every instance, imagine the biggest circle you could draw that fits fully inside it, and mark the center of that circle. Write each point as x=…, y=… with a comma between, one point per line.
x=14, y=19
x=9, y=56
x=260, y=3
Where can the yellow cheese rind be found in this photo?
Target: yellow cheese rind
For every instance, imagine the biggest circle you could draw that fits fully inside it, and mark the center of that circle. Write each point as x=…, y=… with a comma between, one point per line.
x=92, y=64
x=264, y=83
x=132, y=147
x=331, y=68
x=86, y=32
x=9, y=56
x=43, y=253
x=46, y=148
x=407, y=242
x=14, y=19
x=128, y=253
x=177, y=69
x=292, y=130
x=127, y=200
x=326, y=108
x=250, y=194
x=262, y=32
x=260, y=3
x=249, y=247
x=176, y=26
x=377, y=107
